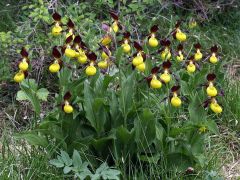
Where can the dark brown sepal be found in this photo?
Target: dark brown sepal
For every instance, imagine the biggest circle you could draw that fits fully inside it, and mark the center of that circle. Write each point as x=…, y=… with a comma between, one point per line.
x=114, y=15
x=25, y=73
x=70, y=24
x=154, y=29
x=214, y=49
x=165, y=42
x=180, y=47
x=67, y=96
x=166, y=64
x=106, y=50
x=126, y=35
x=211, y=77
x=69, y=40
x=77, y=39
x=197, y=46
x=155, y=70
x=206, y=103
x=137, y=46
x=178, y=23
x=175, y=88
x=92, y=56
x=56, y=54
x=24, y=52
x=56, y=16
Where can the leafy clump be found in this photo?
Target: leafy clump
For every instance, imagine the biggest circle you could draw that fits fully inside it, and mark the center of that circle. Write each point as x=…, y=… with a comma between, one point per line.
x=124, y=97
x=82, y=169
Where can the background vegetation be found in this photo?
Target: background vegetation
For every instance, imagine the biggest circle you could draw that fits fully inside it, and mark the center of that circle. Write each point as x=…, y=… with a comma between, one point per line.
x=26, y=23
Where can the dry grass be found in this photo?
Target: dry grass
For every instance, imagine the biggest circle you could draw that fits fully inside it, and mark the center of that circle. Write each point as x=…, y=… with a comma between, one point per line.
x=231, y=157
x=233, y=70
x=232, y=170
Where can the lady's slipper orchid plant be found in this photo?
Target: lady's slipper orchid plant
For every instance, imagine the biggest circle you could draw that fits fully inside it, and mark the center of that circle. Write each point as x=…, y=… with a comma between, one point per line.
x=102, y=74
x=165, y=52
x=180, y=55
x=214, y=105
x=23, y=67
x=191, y=65
x=68, y=49
x=91, y=69
x=107, y=38
x=116, y=25
x=66, y=106
x=106, y=54
x=152, y=40
x=81, y=49
x=24, y=63
x=178, y=34
x=211, y=89
x=198, y=55
x=139, y=57
x=57, y=63
x=174, y=96
x=57, y=28
x=125, y=42
x=70, y=30
x=153, y=80
x=214, y=58
x=166, y=75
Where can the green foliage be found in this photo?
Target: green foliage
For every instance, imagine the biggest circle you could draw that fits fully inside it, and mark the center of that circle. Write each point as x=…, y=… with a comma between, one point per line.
x=145, y=129
x=20, y=30
x=118, y=122
x=38, y=11
x=5, y=39
x=105, y=172
x=80, y=168
x=33, y=138
x=30, y=92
